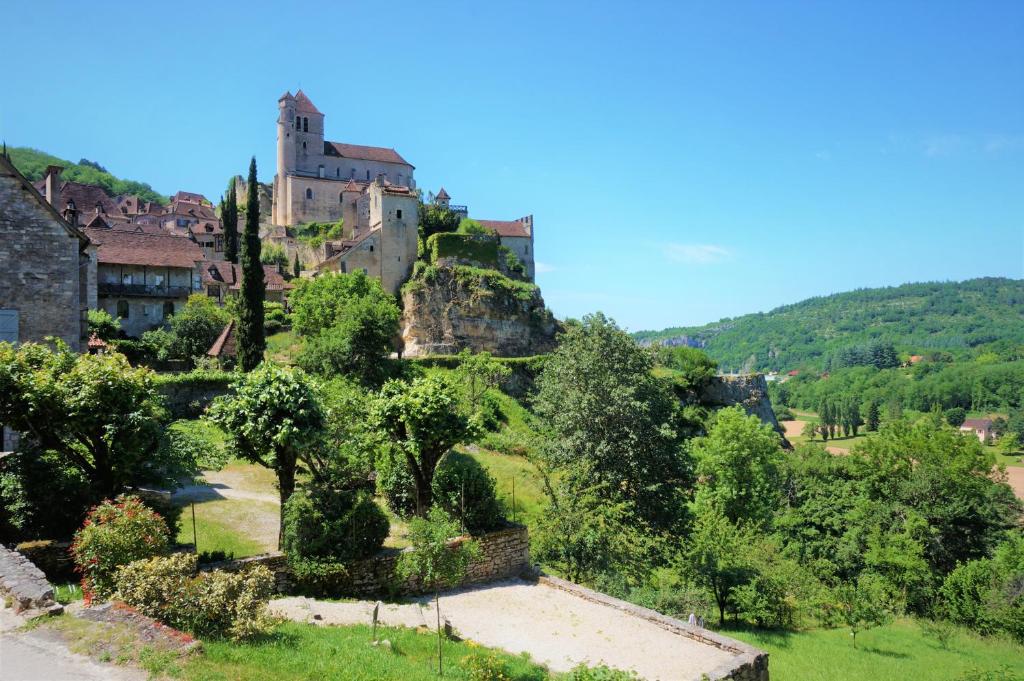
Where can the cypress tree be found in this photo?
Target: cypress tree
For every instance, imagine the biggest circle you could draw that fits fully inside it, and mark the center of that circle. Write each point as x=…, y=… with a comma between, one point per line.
x=251, y=340
x=296, y=267
x=229, y=216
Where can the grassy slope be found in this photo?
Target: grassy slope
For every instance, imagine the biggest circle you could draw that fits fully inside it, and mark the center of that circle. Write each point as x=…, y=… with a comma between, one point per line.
x=949, y=316
x=32, y=164
x=896, y=652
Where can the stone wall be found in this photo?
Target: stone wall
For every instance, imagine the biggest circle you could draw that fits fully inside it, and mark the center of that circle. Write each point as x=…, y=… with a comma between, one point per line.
x=25, y=585
x=40, y=284
x=750, y=391
x=503, y=553
x=749, y=663
x=189, y=400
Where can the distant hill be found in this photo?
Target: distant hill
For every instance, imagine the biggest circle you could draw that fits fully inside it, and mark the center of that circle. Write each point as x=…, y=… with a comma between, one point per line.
x=32, y=164
x=955, y=317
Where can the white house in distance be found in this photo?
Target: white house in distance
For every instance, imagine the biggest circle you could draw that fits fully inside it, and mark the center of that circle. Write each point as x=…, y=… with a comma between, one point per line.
x=982, y=428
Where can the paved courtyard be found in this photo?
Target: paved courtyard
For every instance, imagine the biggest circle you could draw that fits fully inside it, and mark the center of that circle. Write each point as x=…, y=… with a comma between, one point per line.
x=554, y=627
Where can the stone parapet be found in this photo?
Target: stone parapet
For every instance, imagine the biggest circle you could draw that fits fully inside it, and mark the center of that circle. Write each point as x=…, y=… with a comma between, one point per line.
x=26, y=585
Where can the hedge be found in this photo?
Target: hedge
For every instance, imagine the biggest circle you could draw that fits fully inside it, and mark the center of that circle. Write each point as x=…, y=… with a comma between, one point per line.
x=477, y=248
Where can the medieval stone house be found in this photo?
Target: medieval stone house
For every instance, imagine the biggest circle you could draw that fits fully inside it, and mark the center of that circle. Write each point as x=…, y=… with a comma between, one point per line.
x=47, y=280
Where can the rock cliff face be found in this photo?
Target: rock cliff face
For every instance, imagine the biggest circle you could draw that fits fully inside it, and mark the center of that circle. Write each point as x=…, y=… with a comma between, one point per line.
x=750, y=391
x=454, y=308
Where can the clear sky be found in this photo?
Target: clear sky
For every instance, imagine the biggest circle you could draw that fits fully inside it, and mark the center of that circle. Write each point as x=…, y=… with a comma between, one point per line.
x=684, y=161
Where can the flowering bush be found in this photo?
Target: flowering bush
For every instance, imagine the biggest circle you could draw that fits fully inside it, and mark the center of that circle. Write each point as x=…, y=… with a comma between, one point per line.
x=486, y=667
x=213, y=604
x=115, y=533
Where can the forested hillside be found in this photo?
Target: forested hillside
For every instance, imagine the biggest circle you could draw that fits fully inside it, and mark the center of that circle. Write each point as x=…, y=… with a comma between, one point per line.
x=32, y=164
x=963, y=319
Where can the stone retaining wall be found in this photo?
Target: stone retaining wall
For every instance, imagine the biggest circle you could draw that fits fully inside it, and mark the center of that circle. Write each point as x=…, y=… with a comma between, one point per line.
x=749, y=664
x=26, y=585
x=503, y=553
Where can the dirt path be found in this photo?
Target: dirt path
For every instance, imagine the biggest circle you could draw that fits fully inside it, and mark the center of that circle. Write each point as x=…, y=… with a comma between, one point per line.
x=1015, y=476
x=554, y=627
x=233, y=482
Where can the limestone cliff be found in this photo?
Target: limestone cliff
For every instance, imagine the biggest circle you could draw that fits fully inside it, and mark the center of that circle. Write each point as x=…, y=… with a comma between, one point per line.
x=449, y=308
x=750, y=391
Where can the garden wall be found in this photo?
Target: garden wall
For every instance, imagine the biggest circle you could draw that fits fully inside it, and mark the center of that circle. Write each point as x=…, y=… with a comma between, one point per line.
x=749, y=663
x=186, y=396
x=503, y=553
x=25, y=584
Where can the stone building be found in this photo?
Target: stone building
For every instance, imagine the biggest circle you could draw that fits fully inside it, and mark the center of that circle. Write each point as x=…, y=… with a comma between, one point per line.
x=47, y=280
x=383, y=240
x=144, y=274
x=314, y=175
x=222, y=279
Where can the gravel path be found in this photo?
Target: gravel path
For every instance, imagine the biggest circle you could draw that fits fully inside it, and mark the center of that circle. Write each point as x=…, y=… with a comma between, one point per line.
x=554, y=627
x=1015, y=476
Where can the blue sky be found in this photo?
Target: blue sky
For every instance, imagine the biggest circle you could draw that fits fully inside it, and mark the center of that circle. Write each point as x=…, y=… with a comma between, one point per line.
x=684, y=161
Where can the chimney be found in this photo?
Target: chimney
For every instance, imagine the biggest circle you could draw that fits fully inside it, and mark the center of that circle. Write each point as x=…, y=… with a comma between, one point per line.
x=53, y=185
x=70, y=214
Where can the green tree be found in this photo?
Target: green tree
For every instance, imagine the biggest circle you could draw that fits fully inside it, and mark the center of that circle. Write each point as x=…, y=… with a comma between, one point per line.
x=100, y=415
x=479, y=372
x=274, y=419
x=613, y=423
x=358, y=344
x=738, y=467
x=717, y=556
x=251, y=341
x=422, y=422
x=103, y=325
x=320, y=303
x=863, y=604
x=873, y=416
x=274, y=254
x=434, y=219
x=296, y=266
x=196, y=326
x=229, y=219
x=435, y=561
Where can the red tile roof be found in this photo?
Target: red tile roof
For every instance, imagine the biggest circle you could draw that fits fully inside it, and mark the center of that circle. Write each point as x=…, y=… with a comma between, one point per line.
x=443, y=194
x=189, y=197
x=364, y=153
x=304, y=104
x=506, y=227
x=85, y=197
x=976, y=424
x=143, y=247
x=354, y=186
x=222, y=272
x=224, y=346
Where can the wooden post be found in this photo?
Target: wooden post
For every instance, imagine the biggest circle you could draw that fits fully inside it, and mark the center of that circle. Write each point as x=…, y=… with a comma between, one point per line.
x=195, y=540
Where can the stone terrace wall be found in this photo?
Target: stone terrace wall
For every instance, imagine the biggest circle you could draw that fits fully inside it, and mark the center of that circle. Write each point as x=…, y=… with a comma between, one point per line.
x=503, y=553
x=25, y=584
x=749, y=663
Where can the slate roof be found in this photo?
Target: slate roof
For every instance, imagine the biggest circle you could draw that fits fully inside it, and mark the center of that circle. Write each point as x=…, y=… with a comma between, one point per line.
x=138, y=245
x=364, y=153
x=85, y=196
x=506, y=227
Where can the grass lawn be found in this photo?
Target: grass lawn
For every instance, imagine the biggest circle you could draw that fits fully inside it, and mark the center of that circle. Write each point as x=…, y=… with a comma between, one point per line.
x=227, y=525
x=530, y=498
x=283, y=347
x=895, y=652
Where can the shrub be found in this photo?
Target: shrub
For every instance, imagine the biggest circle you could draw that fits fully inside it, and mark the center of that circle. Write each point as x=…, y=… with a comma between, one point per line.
x=486, y=667
x=212, y=604
x=784, y=414
x=509, y=442
x=395, y=482
x=964, y=593
x=103, y=325
x=26, y=512
x=196, y=326
x=460, y=474
x=338, y=525
x=115, y=533
x=490, y=414
x=274, y=317
x=600, y=673
x=319, y=578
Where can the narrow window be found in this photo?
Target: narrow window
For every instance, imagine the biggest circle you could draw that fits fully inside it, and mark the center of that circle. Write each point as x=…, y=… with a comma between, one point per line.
x=168, y=308
x=303, y=146
x=399, y=213
x=298, y=122
x=367, y=175
x=353, y=174
x=341, y=197
x=309, y=193
x=305, y=124
x=320, y=172
x=371, y=249
x=337, y=172
x=122, y=309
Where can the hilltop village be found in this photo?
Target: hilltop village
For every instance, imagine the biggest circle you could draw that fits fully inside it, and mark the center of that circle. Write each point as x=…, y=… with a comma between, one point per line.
x=70, y=247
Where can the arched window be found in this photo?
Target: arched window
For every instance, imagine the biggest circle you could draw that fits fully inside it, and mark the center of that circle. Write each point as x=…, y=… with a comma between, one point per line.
x=122, y=309
x=305, y=124
x=309, y=193
x=168, y=308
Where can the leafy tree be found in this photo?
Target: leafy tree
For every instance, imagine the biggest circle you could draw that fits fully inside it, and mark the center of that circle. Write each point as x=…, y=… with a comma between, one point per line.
x=465, y=490
x=422, y=422
x=434, y=219
x=479, y=372
x=196, y=326
x=614, y=424
x=274, y=254
x=229, y=219
x=717, y=556
x=955, y=416
x=738, y=467
x=251, y=340
x=436, y=562
x=358, y=344
x=1009, y=444
x=320, y=303
x=97, y=413
x=105, y=327
x=324, y=522
x=274, y=419
x=863, y=604
x=694, y=367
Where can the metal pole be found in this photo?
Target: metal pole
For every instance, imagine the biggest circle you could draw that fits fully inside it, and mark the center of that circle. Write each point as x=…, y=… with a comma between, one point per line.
x=195, y=540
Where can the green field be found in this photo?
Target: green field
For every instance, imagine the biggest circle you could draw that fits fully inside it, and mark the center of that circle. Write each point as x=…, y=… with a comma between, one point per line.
x=897, y=652
x=222, y=525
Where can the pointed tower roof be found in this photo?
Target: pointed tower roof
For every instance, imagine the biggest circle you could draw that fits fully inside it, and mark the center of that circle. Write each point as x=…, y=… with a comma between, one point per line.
x=352, y=187
x=303, y=103
x=443, y=194
x=286, y=95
